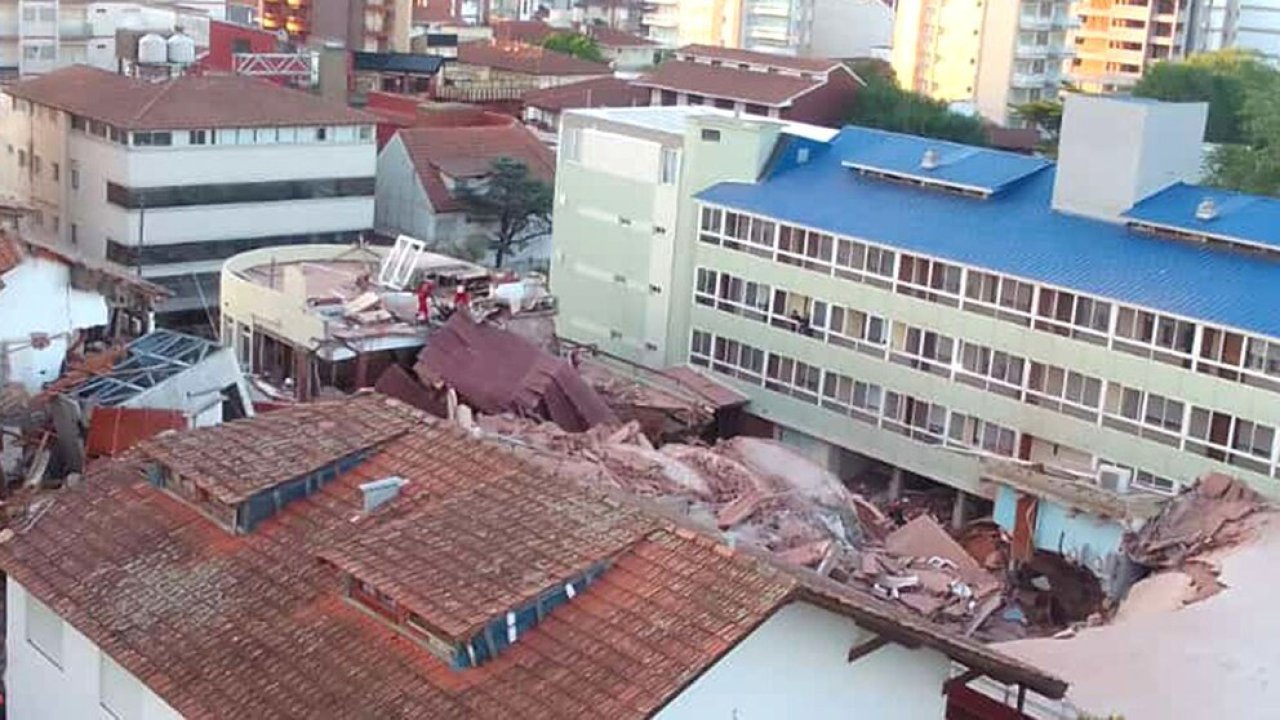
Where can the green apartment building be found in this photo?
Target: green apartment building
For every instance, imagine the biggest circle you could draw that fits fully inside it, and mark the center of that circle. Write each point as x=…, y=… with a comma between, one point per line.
x=960, y=313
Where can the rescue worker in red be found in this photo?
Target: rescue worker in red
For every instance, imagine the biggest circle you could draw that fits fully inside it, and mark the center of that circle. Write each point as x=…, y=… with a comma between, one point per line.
x=425, y=291
x=461, y=298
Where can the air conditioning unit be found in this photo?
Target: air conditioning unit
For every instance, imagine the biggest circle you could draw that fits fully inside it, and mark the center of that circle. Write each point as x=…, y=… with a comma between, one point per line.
x=1114, y=478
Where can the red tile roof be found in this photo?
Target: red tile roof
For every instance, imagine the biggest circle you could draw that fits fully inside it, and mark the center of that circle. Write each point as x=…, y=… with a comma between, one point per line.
x=527, y=59
x=233, y=461
x=597, y=92
x=773, y=90
x=220, y=625
x=731, y=55
x=529, y=32
x=436, y=149
x=187, y=101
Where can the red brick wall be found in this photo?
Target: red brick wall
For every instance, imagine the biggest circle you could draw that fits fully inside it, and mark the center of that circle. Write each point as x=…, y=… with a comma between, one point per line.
x=222, y=41
x=828, y=105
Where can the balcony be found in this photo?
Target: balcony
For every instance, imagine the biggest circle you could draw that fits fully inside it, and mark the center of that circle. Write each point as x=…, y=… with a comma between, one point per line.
x=779, y=11
x=1031, y=51
x=662, y=20
x=1029, y=80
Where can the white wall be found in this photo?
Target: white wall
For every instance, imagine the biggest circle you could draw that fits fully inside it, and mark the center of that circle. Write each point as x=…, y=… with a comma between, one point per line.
x=402, y=204
x=38, y=298
x=795, y=665
x=197, y=391
x=40, y=690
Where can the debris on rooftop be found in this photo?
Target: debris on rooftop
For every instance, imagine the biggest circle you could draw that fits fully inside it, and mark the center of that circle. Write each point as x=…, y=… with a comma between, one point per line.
x=495, y=371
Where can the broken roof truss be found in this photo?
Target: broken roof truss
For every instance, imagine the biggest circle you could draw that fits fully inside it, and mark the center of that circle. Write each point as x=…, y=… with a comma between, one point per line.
x=148, y=361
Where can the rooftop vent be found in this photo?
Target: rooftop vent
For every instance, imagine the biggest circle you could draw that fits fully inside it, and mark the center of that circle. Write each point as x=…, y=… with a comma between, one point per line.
x=930, y=159
x=380, y=492
x=802, y=155
x=1206, y=210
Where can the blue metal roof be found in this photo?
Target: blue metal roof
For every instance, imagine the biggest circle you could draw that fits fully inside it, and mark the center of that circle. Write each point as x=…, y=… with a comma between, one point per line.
x=965, y=166
x=1016, y=232
x=1247, y=218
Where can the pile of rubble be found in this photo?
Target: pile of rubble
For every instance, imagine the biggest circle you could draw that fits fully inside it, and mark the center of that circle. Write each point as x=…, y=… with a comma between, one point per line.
x=763, y=494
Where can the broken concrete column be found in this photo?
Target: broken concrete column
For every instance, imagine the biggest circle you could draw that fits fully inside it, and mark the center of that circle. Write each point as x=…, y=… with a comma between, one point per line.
x=896, y=480
x=960, y=511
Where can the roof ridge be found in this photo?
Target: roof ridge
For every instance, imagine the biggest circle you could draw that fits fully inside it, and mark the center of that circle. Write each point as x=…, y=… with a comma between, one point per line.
x=146, y=107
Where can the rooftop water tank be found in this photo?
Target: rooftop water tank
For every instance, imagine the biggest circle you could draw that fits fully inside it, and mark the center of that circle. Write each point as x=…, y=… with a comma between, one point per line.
x=152, y=49
x=182, y=49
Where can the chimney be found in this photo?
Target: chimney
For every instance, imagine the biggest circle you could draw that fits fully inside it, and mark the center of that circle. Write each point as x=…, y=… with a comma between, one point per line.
x=1114, y=151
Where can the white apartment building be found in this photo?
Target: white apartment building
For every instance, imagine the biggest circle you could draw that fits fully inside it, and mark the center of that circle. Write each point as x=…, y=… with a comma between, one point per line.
x=991, y=54
x=37, y=36
x=942, y=308
x=169, y=179
x=1245, y=24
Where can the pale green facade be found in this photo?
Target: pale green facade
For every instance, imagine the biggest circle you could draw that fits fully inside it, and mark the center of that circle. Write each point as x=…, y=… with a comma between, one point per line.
x=620, y=316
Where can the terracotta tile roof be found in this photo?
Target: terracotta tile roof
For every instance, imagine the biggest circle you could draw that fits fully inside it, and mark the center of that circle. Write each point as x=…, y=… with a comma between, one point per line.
x=529, y=32
x=597, y=92
x=731, y=83
x=188, y=101
x=527, y=59
x=612, y=37
x=220, y=625
x=11, y=253
x=733, y=55
x=233, y=461
x=434, y=149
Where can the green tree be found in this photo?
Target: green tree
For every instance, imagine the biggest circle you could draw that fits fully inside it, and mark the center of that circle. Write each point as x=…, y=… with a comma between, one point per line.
x=517, y=203
x=1223, y=79
x=575, y=44
x=1252, y=166
x=1045, y=116
x=882, y=104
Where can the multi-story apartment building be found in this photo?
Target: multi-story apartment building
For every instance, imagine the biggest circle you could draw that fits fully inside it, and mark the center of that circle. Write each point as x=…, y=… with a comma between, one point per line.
x=1248, y=25
x=171, y=178
x=1117, y=40
x=942, y=308
x=683, y=22
x=37, y=36
x=362, y=25
x=991, y=55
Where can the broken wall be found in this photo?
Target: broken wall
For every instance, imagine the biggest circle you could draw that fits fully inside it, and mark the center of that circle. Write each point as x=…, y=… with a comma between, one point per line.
x=197, y=391
x=38, y=299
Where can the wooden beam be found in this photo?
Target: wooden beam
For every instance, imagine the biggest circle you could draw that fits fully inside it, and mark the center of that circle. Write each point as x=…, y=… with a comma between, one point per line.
x=867, y=647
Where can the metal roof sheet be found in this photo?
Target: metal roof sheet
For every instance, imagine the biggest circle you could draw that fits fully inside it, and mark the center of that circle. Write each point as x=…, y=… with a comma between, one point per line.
x=1247, y=218
x=962, y=166
x=1016, y=232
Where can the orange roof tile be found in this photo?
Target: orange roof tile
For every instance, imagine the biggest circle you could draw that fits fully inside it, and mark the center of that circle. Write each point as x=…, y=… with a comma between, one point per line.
x=11, y=253
x=112, y=430
x=733, y=55
x=187, y=101
x=434, y=150
x=727, y=82
x=222, y=625
x=597, y=92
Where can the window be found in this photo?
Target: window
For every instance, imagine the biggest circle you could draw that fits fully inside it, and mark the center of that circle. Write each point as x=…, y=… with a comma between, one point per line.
x=1163, y=413
x=1261, y=356
x=36, y=164
x=1065, y=391
x=711, y=219
x=858, y=330
x=22, y=158
x=973, y=432
x=56, y=171
x=989, y=369
x=670, y=170
x=75, y=235
x=709, y=135
x=197, y=137
x=570, y=144
x=322, y=134
x=922, y=349
x=364, y=132
x=149, y=139
x=119, y=693
x=75, y=175
x=700, y=347
x=44, y=630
